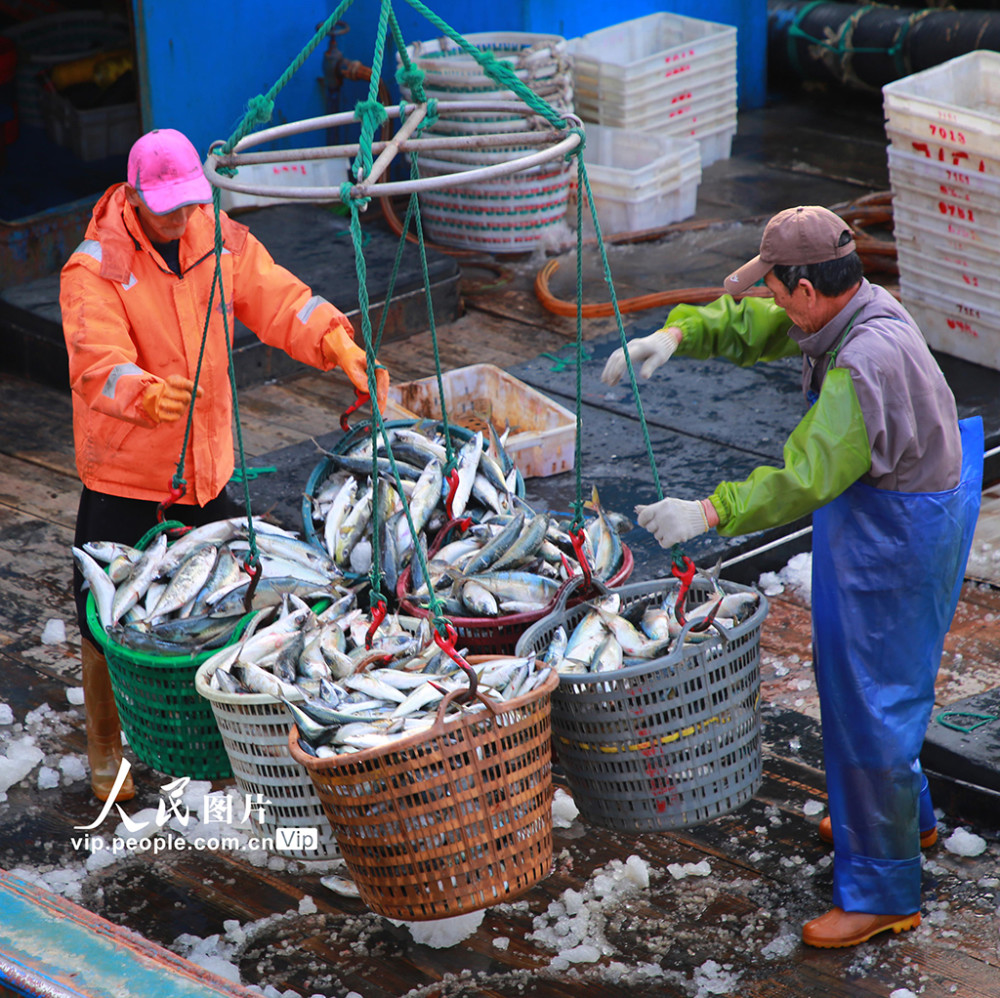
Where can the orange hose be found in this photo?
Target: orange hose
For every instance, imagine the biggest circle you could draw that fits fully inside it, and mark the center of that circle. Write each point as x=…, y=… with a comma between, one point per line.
x=877, y=255
x=597, y=310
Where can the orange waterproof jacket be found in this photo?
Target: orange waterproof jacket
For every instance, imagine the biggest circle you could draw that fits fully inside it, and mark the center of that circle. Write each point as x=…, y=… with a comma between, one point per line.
x=129, y=322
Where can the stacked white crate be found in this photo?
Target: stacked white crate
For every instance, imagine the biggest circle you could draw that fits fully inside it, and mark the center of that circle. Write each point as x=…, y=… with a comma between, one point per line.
x=638, y=180
x=660, y=73
x=943, y=126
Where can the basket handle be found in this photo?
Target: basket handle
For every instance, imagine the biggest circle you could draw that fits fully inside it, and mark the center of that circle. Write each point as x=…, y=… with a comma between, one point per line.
x=689, y=625
x=462, y=695
x=571, y=584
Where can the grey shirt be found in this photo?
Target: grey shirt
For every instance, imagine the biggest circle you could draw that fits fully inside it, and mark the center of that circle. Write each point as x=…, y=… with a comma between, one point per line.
x=908, y=408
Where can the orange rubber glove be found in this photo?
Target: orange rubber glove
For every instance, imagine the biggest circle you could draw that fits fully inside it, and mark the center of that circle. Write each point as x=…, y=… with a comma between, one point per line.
x=165, y=401
x=339, y=348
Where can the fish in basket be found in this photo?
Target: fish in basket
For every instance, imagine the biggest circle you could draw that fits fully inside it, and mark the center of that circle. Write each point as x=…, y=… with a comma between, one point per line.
x=439, y=793
x=500, y=575
x=160, y=609
x=656, y=722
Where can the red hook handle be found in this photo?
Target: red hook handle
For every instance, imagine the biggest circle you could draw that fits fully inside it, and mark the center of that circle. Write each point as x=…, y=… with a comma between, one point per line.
x=578, y=537
x=361, y=399
x=447, y=645
x=378, y=615
x=174, y=493
x=686, y=576
x=255, y=572
x=452, y=489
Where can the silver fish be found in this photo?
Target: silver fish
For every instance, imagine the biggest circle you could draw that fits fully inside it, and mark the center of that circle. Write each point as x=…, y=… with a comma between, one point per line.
x=100, y=585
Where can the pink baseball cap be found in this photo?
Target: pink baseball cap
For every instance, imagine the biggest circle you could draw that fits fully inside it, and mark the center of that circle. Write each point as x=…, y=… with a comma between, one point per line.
x=164, y=167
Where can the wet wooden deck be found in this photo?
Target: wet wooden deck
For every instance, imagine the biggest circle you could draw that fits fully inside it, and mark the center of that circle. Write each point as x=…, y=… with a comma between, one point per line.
x=734, y=929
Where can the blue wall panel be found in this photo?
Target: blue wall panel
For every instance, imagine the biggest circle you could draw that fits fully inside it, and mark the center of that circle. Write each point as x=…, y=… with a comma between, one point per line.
x=202, y=60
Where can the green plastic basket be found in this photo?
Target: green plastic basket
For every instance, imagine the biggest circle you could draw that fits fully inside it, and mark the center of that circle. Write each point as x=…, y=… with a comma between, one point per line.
x=168, y=725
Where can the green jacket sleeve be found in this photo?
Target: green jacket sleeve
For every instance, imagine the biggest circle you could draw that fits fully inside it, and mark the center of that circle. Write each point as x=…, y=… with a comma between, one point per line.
x=743, y=332
x=826, y=452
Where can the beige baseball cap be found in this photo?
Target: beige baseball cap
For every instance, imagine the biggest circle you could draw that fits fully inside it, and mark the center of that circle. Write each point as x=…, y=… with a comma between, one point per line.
x=793, y=237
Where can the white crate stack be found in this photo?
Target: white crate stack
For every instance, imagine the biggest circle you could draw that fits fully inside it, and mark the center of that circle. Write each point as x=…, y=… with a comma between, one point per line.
x=639, y=180
x=943, y=126
x=661, y=73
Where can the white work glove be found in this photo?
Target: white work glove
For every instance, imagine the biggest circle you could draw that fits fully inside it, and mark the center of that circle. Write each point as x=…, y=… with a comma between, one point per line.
x=673, y=521
x=651, y=351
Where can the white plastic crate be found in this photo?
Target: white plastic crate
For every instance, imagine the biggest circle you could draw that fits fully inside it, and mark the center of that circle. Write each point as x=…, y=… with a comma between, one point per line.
x=294, y=173
x=704, y=82
x=94, y=133
x=949, y=204
x=964, y=278
x=639, y=180
x=713, y=125
x=662, y=72
x=960, y=330
x=950, y=113
x=664, y=48
x=542, y=438
x=967, y=280
x=913, y=219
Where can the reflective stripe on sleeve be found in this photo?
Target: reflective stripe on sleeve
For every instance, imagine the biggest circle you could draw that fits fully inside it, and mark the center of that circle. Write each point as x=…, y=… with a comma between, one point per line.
x=92, y=248
x=310, y=306
x=119, y=371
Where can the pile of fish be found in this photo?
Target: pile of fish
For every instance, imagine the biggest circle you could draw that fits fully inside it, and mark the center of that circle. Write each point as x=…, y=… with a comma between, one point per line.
x=606, y=639
x=514, y=563
x=191, y=595
x=511, y=561
x=345, y=696
x=348, y=504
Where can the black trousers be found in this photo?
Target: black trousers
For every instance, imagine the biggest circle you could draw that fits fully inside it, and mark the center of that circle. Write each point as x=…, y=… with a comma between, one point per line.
x=104, y=517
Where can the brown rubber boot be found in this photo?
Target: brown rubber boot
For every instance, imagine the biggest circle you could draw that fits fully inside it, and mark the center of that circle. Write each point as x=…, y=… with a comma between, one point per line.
x=104, y=734
x=848, y=928
x=927, y=838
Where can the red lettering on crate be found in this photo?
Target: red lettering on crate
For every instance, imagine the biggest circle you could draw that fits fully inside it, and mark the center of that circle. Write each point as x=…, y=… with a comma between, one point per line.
x=681, y=97
x=962, y=326
x=957, y=211
x=948, y=134
x=953, y=192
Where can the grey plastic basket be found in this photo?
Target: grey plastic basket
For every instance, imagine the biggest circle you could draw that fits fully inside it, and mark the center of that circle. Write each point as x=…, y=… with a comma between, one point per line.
x=672, y=742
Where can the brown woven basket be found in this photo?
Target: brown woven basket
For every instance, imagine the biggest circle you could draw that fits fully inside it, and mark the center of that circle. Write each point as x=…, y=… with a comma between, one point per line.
x=451, y=819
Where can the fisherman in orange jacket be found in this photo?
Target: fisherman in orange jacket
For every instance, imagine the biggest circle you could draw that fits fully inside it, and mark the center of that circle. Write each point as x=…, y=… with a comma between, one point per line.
x=134, y=297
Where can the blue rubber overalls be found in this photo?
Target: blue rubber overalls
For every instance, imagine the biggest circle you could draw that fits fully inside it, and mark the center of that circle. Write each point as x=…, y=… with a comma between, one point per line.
x=887, y=572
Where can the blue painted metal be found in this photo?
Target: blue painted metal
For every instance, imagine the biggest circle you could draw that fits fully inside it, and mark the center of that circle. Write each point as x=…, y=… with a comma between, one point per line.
x=52, y=948
x=40, y=244
x=201, y=62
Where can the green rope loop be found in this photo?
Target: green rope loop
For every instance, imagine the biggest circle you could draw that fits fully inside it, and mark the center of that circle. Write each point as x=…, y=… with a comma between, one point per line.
x=259, y=110
x=412, y=78
x=372, y=109
x=578, y=151
x=348, y=198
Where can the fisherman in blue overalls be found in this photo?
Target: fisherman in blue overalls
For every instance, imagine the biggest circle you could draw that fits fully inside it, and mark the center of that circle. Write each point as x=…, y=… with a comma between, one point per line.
x=893, y=481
